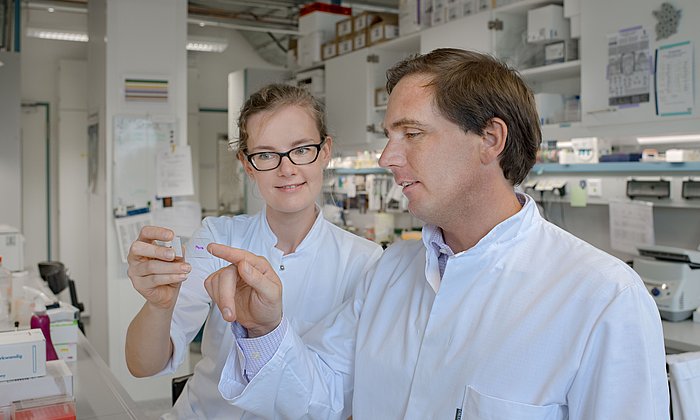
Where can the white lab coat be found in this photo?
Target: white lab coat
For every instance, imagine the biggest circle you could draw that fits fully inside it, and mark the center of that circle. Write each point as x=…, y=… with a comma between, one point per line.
x=531, y=323
x=317, y=277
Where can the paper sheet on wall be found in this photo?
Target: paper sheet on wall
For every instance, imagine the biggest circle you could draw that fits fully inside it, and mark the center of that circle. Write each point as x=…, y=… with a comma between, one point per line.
x=184, y=217
x=629, y=67
x=631, y=225
x=674, y=79
x=128, y=229
x=174, y=171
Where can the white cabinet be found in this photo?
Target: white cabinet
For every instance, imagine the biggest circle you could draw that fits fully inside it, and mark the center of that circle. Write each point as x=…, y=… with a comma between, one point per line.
x=502, y=32
x=351, y=80
x=603, y=21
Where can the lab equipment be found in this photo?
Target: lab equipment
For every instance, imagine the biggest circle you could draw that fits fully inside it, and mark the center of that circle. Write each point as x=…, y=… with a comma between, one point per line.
x=648, y=187
x=589, y=149
x=672, y=277
x=41, y=320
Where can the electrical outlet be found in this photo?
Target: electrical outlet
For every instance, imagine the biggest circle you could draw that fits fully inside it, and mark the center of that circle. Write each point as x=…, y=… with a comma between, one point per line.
x=594, y=187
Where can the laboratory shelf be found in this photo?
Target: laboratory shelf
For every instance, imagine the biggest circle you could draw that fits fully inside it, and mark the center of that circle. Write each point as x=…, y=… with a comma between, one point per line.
x=522, y=6
x=646, y=167
x=359, y=171
x=552, y=71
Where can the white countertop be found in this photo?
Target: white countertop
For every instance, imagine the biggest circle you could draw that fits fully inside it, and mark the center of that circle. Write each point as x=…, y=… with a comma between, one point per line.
x=98, y=394
x=682, y=336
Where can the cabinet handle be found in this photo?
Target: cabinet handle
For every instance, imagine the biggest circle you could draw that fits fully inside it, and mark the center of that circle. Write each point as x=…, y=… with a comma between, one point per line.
x=496, y=24
x=601, y=111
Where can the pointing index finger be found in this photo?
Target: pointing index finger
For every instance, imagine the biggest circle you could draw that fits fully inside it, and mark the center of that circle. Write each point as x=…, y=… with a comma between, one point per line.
x=237, y=255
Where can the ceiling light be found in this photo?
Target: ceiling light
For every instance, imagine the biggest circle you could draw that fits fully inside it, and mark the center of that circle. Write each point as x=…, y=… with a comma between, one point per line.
x=206, y=44
x=57, y=34
x=51, y=9
x=690, y=138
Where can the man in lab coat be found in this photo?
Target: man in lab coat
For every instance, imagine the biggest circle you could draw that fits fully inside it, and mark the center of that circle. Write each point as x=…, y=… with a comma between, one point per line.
x=495, y=314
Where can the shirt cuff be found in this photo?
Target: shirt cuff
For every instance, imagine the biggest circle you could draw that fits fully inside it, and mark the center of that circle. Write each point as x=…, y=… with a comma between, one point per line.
x=259, y=350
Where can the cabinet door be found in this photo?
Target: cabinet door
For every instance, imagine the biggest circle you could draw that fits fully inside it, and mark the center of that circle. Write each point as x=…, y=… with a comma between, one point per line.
x=351, y=81
x=469, y=33
x=607, y=74
x=347, y=100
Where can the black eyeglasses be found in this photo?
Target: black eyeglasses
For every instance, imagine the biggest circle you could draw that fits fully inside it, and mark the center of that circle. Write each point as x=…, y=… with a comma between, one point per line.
x=302, y=155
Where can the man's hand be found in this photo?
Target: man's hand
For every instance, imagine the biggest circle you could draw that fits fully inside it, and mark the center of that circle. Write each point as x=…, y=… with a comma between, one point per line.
x=247, y=291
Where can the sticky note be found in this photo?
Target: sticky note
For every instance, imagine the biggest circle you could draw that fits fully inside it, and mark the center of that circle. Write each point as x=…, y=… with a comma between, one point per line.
x=579, y=196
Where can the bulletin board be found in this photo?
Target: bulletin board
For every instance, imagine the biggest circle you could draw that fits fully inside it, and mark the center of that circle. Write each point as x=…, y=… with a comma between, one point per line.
x=136, y=142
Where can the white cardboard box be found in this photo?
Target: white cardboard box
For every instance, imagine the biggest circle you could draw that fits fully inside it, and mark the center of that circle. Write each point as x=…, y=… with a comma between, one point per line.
x=546, y=24
x=22, y=354
x=64, y=332
x=67, y=351
x=309, y=46
x=411, y=18
x=57, y=381
x=319, y=21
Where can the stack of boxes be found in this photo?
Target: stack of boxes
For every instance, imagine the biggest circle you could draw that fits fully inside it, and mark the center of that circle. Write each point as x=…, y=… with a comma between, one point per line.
x=360, y=31
x=317, y=23
x=30, y=385
x=443, y=11
x=64, y=331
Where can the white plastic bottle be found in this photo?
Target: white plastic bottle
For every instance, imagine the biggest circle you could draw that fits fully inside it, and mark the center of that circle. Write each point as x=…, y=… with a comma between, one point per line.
x=5, y=294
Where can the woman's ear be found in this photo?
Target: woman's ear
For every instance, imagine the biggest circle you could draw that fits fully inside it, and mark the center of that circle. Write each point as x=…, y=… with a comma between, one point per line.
x=493, y=140
x=327, y=150
x=247, y=167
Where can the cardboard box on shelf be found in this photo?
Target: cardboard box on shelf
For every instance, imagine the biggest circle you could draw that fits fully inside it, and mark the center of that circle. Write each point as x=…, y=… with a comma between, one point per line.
x=329, y=49
x=343, y=27
x=380, y=32
x=360, y=40
x=345, y=44
x=412, y=16
x=560, y=51
x=438, y=15
x=547, y=24
x=364, y=20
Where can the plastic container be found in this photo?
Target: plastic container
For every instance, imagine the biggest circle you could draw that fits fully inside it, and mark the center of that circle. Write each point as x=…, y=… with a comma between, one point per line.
x=41, y=320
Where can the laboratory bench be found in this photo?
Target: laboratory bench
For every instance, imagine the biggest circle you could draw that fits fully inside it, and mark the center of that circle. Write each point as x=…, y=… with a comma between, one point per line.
x=98, y=393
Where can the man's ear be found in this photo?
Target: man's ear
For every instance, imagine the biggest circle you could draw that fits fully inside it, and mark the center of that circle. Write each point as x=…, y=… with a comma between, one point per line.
x=247, y=167
x=493, y=140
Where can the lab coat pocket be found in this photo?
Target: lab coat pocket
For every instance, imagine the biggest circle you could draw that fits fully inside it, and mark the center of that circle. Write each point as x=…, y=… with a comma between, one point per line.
x=478, y=406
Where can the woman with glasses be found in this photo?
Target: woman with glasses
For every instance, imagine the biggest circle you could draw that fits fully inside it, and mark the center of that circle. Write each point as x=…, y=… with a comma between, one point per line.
x=284, y=147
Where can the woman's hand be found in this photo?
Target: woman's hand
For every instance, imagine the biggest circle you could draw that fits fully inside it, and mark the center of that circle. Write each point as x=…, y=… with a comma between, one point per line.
x=154, y=270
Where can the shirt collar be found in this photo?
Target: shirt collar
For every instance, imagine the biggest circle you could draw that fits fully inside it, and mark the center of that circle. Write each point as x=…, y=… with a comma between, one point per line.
x=508, y=229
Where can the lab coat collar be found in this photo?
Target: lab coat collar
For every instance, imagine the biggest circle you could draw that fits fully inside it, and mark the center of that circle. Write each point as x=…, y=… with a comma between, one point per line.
x=502, y=233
